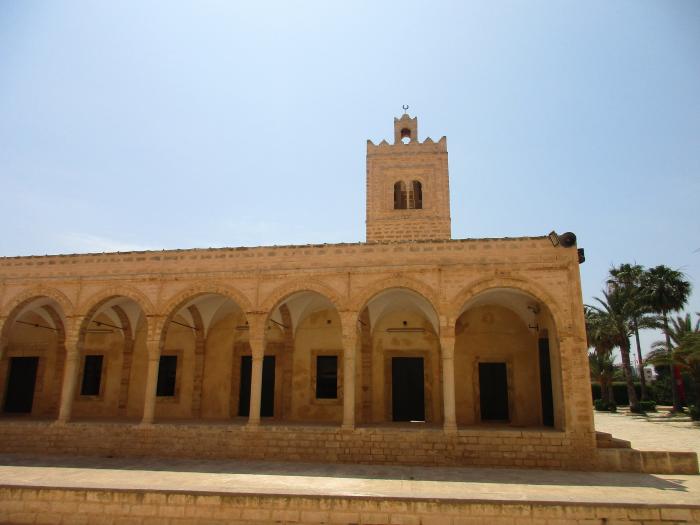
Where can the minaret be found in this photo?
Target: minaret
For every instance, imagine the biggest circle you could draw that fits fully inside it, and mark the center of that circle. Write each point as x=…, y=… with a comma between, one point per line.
x=408, y=187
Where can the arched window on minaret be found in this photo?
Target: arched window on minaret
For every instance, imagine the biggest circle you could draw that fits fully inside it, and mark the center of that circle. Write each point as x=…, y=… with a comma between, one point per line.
x=416, y=199
x=400, y=197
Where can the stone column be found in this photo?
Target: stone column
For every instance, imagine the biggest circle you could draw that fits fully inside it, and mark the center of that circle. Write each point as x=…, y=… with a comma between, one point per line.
x=447, y=352
x=70, y=380
x=349, y=333
x=149, y=400
x=256, y=339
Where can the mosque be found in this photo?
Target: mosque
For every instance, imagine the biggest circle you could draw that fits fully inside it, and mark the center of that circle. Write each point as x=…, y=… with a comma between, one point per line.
x=410, y=348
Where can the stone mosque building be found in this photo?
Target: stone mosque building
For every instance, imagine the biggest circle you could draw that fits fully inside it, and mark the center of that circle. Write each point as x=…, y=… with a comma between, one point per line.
x=409, y=348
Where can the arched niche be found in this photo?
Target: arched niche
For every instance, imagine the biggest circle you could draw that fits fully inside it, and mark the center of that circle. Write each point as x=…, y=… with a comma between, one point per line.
x=33, y=358
x=507, y=363
x=110, y=379
x=196, y=369
x=308, y=358
x=400, y=359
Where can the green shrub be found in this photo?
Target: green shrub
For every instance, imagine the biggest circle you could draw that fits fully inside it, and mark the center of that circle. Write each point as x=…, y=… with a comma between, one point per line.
x=647, y=406
x=603, y=406
x=620, y=392
x=695, y=412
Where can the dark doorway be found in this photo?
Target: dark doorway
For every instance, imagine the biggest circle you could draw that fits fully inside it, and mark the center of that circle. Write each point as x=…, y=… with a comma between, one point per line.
x=546, y=384
x=407, y=389
x=267, y=400
x=167, y=375
x=493, y=386
x=20, y=385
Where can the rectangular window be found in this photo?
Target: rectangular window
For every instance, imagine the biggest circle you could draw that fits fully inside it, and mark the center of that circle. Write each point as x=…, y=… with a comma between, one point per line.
x=167, y=372
x=326, y=377
x=92, y=376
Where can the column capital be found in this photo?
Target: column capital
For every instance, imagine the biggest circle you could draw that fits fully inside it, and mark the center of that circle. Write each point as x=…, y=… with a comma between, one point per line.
x=447, y=330
x=153, y=348
x=348, y=325
x=256, y=326
x=155, y=324
x=447, y=346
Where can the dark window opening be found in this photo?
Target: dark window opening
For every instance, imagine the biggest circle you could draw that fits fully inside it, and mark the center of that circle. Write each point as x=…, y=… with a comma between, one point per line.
x=400, y=197
x=92, y=376
x=326, y=377
x=19, y=395
x=167, y=372
x=417, y=195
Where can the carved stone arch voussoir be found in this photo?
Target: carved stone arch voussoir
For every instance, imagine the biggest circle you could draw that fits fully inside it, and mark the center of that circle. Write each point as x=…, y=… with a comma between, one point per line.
x=87, y=308
x=92, y=303
x=360, y=300
x=16, y=303
x=480, y=286
x=12, y=307
x=289, y=288
x=170, y=306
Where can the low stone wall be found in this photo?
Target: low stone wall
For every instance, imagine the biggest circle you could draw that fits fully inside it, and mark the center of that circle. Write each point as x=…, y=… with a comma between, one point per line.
x=329, y=444
x=78, y=506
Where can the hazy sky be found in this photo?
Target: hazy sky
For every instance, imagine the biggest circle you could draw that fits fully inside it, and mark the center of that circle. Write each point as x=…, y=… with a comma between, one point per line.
x=149, y=125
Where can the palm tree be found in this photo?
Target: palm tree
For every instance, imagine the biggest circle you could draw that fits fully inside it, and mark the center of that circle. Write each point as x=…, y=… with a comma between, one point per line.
x=666, y=290
x=684, y=351
x=601, y=362
x=617, y=311
x=629, y=276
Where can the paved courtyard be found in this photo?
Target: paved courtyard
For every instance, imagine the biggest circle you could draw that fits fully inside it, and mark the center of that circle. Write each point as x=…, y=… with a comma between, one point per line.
x=653, y=433
x=303, y=479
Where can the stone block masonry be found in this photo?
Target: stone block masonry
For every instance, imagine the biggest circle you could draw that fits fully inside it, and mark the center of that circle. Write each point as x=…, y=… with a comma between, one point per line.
x=330, y=444
x=144, y=507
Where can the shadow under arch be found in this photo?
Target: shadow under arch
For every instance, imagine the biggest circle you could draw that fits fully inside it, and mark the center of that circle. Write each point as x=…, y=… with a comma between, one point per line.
x=283, y=292
x=360, y=301
x=201, y=329
x=33, y=354
x=401, y=366
x=14, y=306
x=474, y=289
x=111, y=338
x=304, y=346
x=507, y=347
x=204, y=288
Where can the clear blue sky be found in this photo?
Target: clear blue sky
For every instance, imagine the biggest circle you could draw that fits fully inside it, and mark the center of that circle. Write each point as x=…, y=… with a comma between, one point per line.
x=150, y=125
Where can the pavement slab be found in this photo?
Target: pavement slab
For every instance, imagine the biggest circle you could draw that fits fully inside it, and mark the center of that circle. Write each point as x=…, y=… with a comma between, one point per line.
x=305, y=479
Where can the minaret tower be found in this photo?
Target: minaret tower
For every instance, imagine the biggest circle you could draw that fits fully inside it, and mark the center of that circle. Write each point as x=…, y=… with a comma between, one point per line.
x=408, y=188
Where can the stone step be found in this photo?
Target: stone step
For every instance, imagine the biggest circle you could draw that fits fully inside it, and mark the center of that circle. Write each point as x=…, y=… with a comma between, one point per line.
x=606, y=440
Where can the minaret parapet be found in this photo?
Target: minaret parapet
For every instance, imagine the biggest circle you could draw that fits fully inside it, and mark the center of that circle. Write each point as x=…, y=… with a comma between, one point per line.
x=428, y=145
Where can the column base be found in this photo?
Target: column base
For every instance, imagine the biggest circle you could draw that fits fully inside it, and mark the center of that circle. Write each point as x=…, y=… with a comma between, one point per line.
x=347, y=427
x=252, y=425
x=449, y=428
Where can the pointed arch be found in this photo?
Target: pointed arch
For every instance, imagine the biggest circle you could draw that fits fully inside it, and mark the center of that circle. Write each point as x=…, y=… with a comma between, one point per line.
x=90, y=305
x=289, y=288
x=170, y=306
x=360, y=300
x=480, y=286
x=25, y=297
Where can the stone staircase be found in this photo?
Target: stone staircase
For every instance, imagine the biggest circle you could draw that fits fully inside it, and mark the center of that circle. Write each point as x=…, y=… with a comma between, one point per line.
x=606, y=440
x=617, y=455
